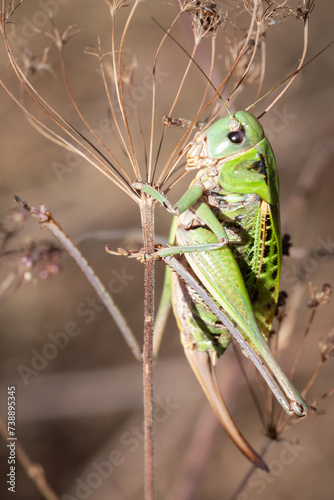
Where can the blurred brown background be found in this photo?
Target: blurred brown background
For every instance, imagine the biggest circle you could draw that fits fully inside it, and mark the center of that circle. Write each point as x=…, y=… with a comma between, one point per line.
x=85, y=405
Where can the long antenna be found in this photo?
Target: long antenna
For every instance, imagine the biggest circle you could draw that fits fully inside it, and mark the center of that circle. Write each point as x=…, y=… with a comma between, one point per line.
x=198, y=66
x=285, y=79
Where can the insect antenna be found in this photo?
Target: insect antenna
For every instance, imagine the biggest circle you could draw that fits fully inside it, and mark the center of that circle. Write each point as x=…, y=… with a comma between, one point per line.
x=250, y=62
x=174, y=158
x=198, y=66
x=292, y=76
x=171, y=164
x=74, y=141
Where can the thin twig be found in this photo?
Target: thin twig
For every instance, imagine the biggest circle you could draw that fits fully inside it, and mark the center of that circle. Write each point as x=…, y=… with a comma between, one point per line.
x=301, y=62
x=302, y=344
x=47, y=221
x=147, y=216
x=58, y=120
x=251, y=389
x=151, y=168
x=83, y=118
x=121, y=92
x=34, y=471
x=250, y=473
x=174, y=158
x=197, y=456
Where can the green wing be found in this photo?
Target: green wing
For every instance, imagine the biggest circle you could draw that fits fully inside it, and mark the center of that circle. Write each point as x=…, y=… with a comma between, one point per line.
x=220, y=274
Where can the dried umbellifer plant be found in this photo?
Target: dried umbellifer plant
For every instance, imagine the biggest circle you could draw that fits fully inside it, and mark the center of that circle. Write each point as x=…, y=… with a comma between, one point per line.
x=140, y=161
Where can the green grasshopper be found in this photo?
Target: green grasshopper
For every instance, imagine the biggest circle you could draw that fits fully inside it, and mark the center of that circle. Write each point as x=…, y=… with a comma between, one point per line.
x=227, y=232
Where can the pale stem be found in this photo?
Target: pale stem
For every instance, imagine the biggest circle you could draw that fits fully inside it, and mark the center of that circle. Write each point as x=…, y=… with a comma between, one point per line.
x=83, y=118
x=301, y=62
x=34, y=471
x=150, y=173
x=313, y=378
x=147, y=217
x=301, y=346
x=170, y=163
x=250, y=473
x=48, y=222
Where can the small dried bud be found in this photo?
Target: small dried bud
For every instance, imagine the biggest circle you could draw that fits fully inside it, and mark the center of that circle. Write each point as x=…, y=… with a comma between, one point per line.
x=304, y=12
x=44, y=257
x=175, y=122
x=206, y=18
x=320, y=298
x=312, y=303
x=33, y=63
x=327, y=347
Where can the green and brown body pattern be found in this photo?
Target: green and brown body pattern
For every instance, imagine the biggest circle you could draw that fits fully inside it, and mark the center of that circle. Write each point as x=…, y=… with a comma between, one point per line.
x=253, y=230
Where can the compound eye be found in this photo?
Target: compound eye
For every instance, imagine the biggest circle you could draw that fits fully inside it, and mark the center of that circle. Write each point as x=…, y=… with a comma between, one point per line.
x=236, y=137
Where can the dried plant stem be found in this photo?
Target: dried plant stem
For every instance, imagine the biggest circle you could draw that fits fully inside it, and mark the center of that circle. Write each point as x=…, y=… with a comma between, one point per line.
x=313, y=378
x=90, y=152
x=282, y=421
x=212, y=63
x=151, y=167
x=257, y=36
x=251, y=471
x=197, y=456
x=302, y=344
x=34, y=471
x=147, y=218
x=301, y=63
x=251, y=388
x=83, y=118
x=121, y=99
x=327, y=394
x=205, y=432
x=263, y=70
x=47, y=221
x=173, y=159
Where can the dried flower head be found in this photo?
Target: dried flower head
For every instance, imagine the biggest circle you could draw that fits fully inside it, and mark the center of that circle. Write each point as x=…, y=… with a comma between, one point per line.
x=304, y=11
x=60, y=38
x=320, y=298
x=33, y=63
x=206, y=18
x=327, y=347
x=115, y=5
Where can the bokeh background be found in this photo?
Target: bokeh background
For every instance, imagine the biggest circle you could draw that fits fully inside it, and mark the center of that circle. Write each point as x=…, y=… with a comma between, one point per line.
x=84, y=407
